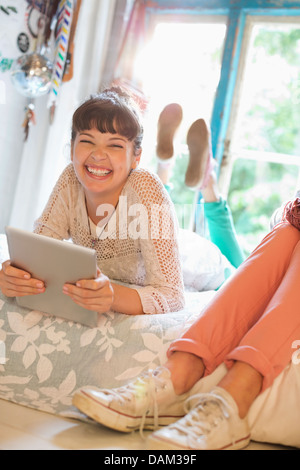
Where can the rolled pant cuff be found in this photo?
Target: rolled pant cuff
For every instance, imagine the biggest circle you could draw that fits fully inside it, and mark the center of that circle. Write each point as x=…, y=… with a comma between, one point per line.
x=192, y=347
x=254, y=358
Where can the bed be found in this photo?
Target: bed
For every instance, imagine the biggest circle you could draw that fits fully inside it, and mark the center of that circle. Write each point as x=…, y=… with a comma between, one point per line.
x=44, y=360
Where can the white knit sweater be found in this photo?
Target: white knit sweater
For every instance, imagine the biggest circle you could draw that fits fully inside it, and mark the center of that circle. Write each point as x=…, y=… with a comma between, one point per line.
x=147, y=260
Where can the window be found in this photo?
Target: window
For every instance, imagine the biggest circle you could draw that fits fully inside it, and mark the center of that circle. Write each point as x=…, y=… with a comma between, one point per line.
x=181, y=63
x=256, y=112
x=265, y=139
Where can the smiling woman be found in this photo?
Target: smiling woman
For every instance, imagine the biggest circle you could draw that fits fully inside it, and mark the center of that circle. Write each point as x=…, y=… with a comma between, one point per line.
x=136, y=274
x=102, y=163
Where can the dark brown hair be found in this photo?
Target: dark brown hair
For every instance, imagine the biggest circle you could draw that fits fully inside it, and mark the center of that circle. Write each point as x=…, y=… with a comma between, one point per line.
x=111, y=111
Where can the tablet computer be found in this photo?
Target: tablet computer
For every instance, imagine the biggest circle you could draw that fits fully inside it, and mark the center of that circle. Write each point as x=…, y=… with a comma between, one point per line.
x=55, y=262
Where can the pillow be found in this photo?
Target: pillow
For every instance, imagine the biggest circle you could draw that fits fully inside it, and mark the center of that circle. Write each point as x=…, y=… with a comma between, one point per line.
x=204, y=267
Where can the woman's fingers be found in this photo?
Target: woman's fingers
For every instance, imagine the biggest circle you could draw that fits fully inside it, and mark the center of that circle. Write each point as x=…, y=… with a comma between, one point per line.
x=13, y=272
x=21, y=292
x=16, y=282
x=92, y=294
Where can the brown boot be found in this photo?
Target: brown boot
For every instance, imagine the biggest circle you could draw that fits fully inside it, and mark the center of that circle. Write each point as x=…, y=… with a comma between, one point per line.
x=201, y=162
x=168, y=123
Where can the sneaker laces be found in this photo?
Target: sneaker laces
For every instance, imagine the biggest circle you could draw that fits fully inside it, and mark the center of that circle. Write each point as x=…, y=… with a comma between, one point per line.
x=147, y=385
x=151, y=399
x=208, y=411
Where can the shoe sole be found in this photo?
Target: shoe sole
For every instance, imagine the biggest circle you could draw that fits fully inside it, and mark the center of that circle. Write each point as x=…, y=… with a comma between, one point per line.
x=168, y=123
x=198, y=141
x=155, y=443
x=118, y=421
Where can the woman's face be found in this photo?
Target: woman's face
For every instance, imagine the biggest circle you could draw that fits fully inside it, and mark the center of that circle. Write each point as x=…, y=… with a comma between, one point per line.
x=102, y=162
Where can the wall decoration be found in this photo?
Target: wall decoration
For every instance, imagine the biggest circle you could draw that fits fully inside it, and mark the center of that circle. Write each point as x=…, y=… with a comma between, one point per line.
x=68, y=13
x=43, y=70
x=8, y=10
x=23, y=42
x=5, y=63
x=62, y=35
x=31, y=75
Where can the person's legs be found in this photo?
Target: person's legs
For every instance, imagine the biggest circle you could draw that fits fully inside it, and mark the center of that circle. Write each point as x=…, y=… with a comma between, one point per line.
x=219, y=418
x=186, y=370
x=168, y=123
x=201, y=176
x=201, y=162
x=222, y=231
x=221, y=329
x=239, y=305
x=164, y=172
x=220, y=223
x=200, y=172
x=267, y=346
x=244, y=383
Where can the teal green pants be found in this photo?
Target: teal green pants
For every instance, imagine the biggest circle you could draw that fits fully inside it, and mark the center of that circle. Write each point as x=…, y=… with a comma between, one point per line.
x=222, y=232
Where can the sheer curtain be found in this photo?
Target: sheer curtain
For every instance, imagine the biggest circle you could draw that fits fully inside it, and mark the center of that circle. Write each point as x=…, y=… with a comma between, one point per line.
x=34, y=166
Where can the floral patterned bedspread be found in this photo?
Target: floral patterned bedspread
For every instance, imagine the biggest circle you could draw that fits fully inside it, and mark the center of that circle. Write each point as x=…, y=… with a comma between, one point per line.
x=44, y=359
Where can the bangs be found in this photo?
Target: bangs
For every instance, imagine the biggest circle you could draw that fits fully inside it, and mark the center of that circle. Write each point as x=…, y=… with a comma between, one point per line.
x=107, y=119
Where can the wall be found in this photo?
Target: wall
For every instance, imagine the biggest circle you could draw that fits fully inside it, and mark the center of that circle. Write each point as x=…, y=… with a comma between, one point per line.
x=28, y=171
x=11, y=103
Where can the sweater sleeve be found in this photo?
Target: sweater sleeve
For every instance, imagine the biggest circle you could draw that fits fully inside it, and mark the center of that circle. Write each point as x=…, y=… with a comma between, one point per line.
x=54, y=221
x=163, y=291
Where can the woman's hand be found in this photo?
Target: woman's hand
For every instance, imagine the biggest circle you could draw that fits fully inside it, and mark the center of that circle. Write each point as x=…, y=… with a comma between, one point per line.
x=92, y=294
x=15, y=282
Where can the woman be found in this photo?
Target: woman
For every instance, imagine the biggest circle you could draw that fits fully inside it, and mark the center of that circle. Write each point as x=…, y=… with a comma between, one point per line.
x=103, y=200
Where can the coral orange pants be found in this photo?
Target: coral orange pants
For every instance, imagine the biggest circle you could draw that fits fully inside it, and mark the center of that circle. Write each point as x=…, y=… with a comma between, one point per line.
x=255, y=316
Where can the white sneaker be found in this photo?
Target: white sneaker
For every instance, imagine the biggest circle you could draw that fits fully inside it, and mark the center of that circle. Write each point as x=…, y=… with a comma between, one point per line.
x=213, y=424
x=146, y=403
